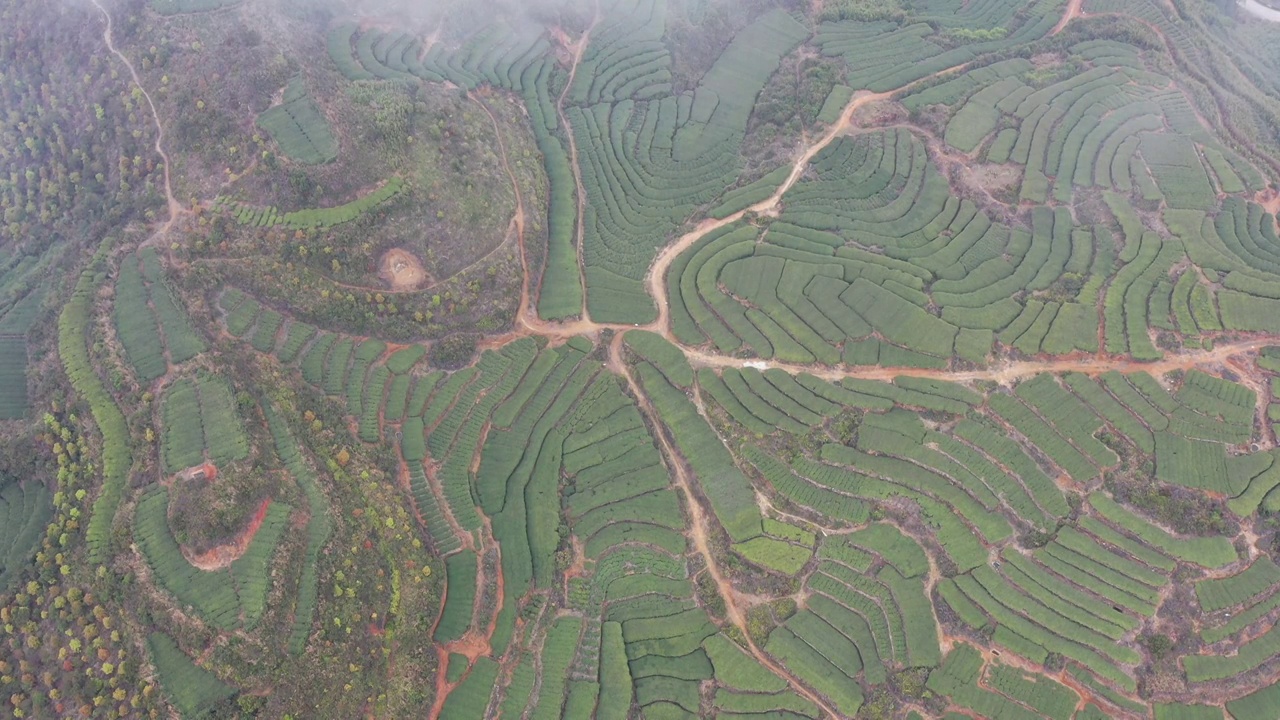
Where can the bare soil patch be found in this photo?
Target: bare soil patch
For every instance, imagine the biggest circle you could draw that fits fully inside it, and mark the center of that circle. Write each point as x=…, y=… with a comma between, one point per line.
x=1269, y=199
x=400, y=269
x=1048, y=59
x=996, y=178
x=878, y=113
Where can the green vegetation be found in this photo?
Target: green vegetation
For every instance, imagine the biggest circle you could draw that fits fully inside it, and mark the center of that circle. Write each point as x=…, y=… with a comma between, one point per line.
x=1216, y=594
x=136, y=326
x=13, y=379
x=313, y=218
x=958, y=676
x=226, y=598
x=20, y=309
x=1207, y=551
x=196, y=692
x=773, y=554
x=178, y=7
x=145, y=307
x=1256, y=705
x=977, y=419
x=25, y=510
x=299, y=128
x=471, y=698
x=116, y=457
x=318, y=531
x=682, y=162
x=663, y=355
x=201, y=422
x=456, y=617
x=727, y=488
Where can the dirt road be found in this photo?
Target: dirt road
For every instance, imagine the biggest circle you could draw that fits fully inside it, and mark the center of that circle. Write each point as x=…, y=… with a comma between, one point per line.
x=1005, y=373
x=175, y=207
x=657, y=278
x=579, y=47
x=1074, y=10
x=698, y=530
x=517, y=222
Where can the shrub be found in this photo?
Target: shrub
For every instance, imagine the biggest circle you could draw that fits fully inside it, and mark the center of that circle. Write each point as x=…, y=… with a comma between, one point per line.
x=454, y=351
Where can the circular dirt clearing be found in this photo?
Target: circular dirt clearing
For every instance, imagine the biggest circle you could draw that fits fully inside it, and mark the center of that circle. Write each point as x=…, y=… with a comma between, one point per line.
x=401, y=270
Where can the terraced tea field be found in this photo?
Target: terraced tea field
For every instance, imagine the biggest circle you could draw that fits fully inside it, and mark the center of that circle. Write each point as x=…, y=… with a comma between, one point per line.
x=954, y=395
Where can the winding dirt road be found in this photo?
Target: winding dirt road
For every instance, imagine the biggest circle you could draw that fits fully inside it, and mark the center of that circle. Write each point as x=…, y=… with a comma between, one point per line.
x=175, y=207
x=517, y=222
x=698, y=529
x=579, y=47
x=1074, y=10
x=657, y=277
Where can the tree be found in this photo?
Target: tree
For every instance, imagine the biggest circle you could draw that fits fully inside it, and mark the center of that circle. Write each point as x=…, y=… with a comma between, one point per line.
x=1157, y=644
